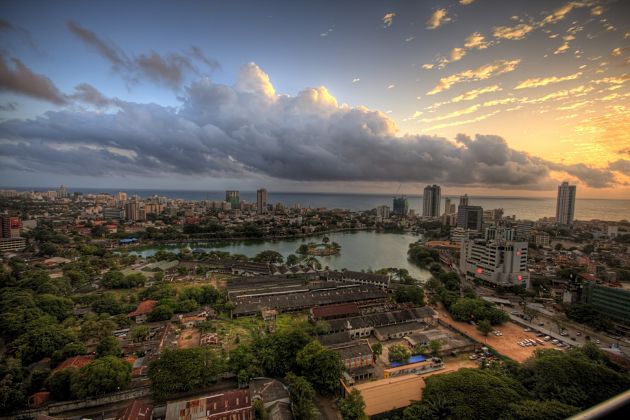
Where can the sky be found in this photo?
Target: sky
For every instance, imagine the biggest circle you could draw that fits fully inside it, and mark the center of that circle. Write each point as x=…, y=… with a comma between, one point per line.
x=486, y=97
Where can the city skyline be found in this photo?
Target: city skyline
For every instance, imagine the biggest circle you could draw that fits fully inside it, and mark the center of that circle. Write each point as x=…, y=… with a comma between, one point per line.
x=318, y=98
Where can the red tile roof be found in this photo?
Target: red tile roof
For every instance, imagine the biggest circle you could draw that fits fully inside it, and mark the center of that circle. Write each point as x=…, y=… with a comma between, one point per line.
x=136, y=411
x=335, y=310
x=75, y=362
x=144, y=307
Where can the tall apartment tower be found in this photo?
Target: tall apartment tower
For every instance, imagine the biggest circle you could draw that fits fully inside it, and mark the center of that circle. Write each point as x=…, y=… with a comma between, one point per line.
x=449, y=206
x=234, y=198
x=463, y=200
x=431, y=201
x=400, y=206
x=261, y=201
x=565, y=207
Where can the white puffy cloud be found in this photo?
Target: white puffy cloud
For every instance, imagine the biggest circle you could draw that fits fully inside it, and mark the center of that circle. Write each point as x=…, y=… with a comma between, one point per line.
x=438, y=18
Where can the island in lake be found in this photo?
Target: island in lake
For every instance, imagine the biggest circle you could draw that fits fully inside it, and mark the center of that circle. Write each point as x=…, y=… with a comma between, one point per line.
x=321, y=250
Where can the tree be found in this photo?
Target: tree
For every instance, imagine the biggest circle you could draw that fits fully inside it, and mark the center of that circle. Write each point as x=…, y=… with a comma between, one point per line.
x=325, y=239
x=102, y=376
x=473, y=393
x=352, y=406
x=269, y=257
x=139, y=332
x=57, y=306
x=292, y=260
x=184, y=370
x=484, y=327
x=411, y=293
x=302, y=394
x=398, y=353
x=108, y=346
x=377, y=349
x=321, y=367
x=534, y=410
x=41, y=339
x=161, y=312
x=60, y=384
x=435, y=346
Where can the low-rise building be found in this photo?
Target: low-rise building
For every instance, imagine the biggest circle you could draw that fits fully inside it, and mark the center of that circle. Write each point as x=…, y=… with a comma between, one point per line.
x=142, y=312
x=233, y=405
x=389, y=394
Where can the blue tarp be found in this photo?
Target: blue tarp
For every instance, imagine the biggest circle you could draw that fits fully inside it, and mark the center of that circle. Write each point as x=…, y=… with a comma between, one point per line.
x=412, y=359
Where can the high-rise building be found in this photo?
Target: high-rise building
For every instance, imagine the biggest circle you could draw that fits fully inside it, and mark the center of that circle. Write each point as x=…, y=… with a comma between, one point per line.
x=234, y=198
x=261, y=201
x=463, y=200
x=132, y=210
x=431, y=201
x=401, y=206
x=449, y=207
x=470, y=217
x=62, y=192
x=565, y=206
x=121, y=196
x=382, y=212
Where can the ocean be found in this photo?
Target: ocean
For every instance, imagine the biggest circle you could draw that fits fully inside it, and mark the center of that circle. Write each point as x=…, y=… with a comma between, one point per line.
x=522, y=208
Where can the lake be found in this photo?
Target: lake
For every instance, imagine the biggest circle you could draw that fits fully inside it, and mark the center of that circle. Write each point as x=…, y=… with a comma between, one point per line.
x=359, y=250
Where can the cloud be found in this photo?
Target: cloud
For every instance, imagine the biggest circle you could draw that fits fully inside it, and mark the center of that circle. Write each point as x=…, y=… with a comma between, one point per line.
x=22, y=80
x=428, y=66
x=544, y=81
x=621, y=165
x=457, y=54
x=466, y=2
x=246, y=129
x=11, y=106
x=472, y=94
x=481, y=73
x=560, y=13
x=355, y=80
x=592, y=177
x=437, y=19
x=409, y=39
x=168, y=70
x=388, y=19
x=89, y=94
x=562, y=48
x=519, y=31
x=476, y=41
x=597, y=10
x=391, y=86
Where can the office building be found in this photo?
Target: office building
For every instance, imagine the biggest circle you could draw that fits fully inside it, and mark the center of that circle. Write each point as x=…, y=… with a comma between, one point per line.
x=499, y=233
x=612, y=302
x=524, y=230
x=492, y=216
x=261, y=201
x=121, y=196
x=565, y=206
x=382, y=212
x=10, y=226
x=12, y=244
x=470, y=217
x=495, y=262
x=463, y=200
x=113, y=213
x=431, y=201
x=401, y=206
x=233, y=197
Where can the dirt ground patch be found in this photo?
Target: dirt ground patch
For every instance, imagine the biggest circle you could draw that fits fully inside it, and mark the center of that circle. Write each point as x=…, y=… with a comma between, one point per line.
x=188, y=338
x=507, y=344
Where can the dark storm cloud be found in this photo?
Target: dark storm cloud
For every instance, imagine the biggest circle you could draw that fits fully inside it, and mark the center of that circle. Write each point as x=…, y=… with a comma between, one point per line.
x=20, y=79
x=169, y=69
x=247, y=128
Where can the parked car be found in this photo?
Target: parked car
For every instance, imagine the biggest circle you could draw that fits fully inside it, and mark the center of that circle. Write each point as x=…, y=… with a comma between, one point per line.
x=547, y=338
